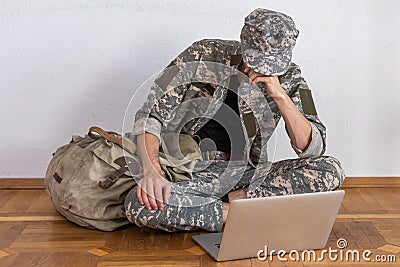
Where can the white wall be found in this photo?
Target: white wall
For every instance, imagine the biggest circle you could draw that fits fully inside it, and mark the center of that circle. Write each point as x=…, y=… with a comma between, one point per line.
x=67, y=65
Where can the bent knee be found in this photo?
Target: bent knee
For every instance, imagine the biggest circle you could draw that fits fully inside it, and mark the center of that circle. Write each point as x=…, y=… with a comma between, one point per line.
x=141, y=216
x=133, y=209
x=331, y=169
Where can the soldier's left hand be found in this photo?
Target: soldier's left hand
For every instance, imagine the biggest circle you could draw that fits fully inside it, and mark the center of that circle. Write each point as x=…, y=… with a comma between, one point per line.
x=271, y=83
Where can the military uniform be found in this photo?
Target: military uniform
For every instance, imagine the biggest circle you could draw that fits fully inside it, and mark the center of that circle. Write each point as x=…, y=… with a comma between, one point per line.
x=196, y=204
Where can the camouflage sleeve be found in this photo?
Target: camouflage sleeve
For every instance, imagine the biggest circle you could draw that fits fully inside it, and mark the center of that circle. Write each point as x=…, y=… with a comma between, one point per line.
x=298, y=90
x=163, y=96
x=303, y=100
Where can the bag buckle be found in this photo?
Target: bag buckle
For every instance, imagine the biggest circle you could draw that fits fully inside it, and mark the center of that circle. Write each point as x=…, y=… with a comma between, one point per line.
x=125, y=163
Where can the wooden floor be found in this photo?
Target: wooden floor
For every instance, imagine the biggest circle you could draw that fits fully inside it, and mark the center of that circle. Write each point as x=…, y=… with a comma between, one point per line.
x=33, y=234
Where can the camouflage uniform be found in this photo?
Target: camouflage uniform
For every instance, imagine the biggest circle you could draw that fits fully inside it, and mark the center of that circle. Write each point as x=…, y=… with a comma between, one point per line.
x=196, y=204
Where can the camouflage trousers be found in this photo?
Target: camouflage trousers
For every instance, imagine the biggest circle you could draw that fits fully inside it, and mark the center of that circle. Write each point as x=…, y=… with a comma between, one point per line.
x=196, y=204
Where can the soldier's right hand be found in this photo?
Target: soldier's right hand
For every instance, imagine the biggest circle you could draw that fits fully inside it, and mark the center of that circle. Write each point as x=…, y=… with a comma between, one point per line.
x=153, y=191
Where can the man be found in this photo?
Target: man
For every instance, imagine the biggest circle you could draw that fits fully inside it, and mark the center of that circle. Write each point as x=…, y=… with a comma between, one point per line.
x=264, y=55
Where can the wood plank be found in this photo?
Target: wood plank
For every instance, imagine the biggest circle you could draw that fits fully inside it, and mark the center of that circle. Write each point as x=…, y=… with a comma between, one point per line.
x=257, y=263
x=10, y=260
x=56, y=227
x=150, y=257
x=42, y=204
x=38, y=246
x=3, y=254
x=153, y=262
x=372, y=234
x=391, y=236
x=116, y=239
x=5, y=227
x=101, y=251
x=389, y=198
x=6, y=196
x=369, y=196
x=13, y=205
x=31, y=218
x=358, y=235
x=22, y=183
x=207, y=261
x=137, y=239
x=368, y=216
x=12, y=233
x=176, y=241
x=187, y=239
x=161, y=240
x=360, y=182
x=51, y=259
x=353, y=202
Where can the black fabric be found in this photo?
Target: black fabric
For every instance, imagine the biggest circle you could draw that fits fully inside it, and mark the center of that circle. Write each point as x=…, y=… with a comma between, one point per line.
x=225, y=198
x=216, y=132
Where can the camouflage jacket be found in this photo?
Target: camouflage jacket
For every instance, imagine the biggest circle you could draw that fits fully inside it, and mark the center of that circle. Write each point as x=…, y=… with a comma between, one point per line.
x=164, y=111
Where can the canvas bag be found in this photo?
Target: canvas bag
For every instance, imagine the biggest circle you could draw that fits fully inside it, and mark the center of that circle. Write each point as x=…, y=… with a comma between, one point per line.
x=88, y=179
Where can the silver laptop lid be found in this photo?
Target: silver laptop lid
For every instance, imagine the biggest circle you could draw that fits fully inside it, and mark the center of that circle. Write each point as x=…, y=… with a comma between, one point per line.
x=292, y=222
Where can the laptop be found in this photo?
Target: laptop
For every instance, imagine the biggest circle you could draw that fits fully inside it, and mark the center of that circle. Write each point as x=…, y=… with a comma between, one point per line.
x=291, y=222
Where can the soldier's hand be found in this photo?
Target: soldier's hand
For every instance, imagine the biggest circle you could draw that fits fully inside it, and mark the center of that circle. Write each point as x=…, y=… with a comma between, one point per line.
x=271, y=83
x=153, y=190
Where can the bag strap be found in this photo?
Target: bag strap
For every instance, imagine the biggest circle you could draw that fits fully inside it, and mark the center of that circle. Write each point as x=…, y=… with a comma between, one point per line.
x=113, y=138
x=126, y=164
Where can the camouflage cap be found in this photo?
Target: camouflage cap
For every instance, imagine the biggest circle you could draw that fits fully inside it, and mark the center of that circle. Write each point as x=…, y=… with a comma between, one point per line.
x=267, y=40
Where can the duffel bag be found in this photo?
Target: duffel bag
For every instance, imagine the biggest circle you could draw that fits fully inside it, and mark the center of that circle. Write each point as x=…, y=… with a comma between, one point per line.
x=88, y=179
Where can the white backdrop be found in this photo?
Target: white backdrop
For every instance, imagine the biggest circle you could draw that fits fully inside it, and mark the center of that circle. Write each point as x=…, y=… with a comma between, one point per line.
x=67, y=65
